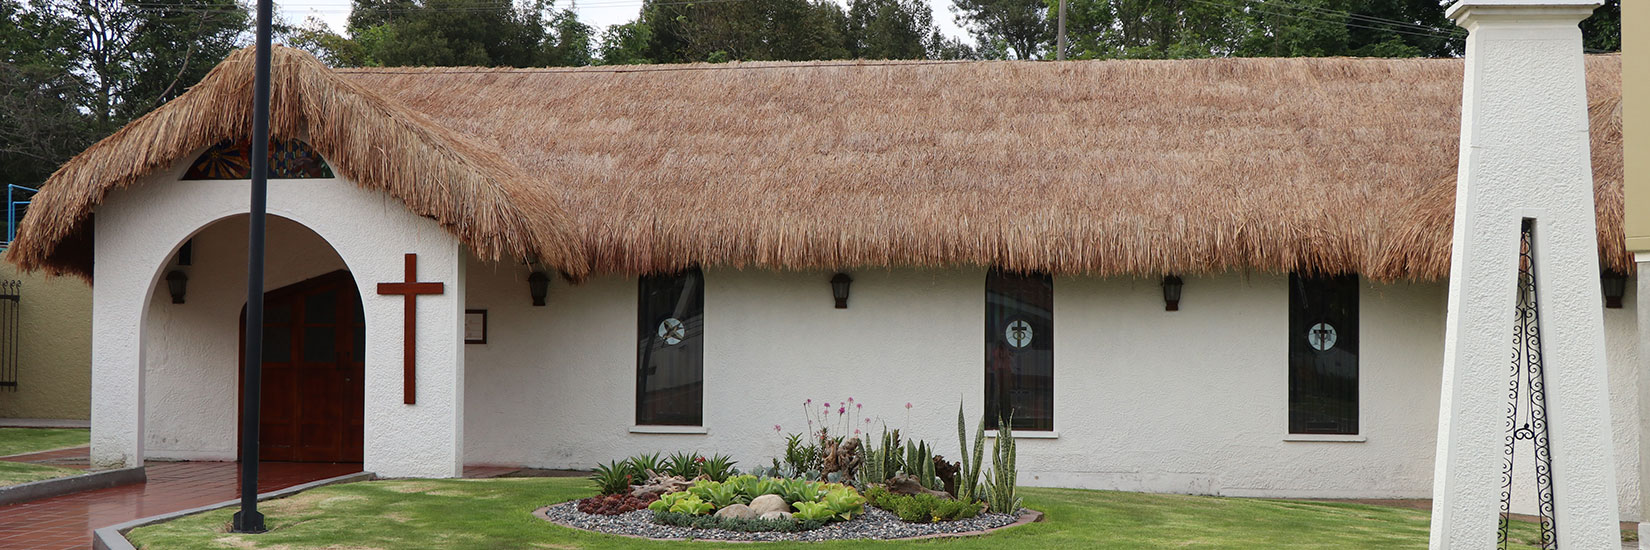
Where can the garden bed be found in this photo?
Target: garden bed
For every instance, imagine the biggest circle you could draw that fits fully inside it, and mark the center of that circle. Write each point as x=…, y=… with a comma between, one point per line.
x=874, y=524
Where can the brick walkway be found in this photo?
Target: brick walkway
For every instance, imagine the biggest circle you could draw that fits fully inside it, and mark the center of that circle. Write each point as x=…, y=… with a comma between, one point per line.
x=66, y=522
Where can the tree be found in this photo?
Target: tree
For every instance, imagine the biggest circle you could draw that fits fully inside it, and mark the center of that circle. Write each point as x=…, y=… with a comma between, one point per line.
x=483, y=33
x=75, y=70
x=751, y=30
x=1602, y=31
x=626, y=44
x=889, y=29
x=1203, y=28
x=40, y=96
x=1019, y=26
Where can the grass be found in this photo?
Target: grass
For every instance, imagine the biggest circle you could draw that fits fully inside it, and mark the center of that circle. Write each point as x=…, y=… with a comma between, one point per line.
x=496, y=513
x=30, y=440
x=13, y=473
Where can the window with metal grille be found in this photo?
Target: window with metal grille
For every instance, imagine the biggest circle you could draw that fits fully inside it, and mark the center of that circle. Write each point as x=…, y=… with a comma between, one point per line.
x=11, y=299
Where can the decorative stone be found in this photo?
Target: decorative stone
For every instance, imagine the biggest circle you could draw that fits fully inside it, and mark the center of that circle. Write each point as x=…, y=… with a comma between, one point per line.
x=767, y=504
x=736, y=511
x=776, y=516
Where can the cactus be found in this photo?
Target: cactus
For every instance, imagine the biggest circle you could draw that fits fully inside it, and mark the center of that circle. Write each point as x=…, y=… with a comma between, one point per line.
x=872, y=471
x=1000, y=479
x=968, y=478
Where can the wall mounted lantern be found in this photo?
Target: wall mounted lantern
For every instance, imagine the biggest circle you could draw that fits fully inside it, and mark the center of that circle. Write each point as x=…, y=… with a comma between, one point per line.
x=177, y=283
x=539, y=284
x=1171, y=292
x=839, y=289
x=1615, y=286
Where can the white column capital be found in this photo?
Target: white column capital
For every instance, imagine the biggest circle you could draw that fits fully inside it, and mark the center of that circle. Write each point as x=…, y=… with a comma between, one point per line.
x=1471, y=13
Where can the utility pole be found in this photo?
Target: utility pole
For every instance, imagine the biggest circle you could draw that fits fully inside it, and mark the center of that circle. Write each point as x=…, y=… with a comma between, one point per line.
x=1060, y=43
x=248, y=519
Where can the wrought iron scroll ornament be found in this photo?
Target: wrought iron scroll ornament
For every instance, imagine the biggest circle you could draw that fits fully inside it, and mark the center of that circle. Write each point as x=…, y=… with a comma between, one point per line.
x=1527, y=401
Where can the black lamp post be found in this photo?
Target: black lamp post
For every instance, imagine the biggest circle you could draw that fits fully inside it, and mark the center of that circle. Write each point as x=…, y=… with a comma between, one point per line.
x=177, y=284
x=539, y=284
x=249, y=519
x=1615, y=286
x=839, y=289
x=1171, y=292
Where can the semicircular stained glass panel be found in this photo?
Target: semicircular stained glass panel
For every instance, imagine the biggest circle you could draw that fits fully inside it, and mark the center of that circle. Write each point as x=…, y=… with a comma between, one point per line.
x=232, y=160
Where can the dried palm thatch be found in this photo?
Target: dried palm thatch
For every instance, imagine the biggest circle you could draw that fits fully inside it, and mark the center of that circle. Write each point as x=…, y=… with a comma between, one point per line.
x=1104, y=168
x=1098, y=167
x=378, y=144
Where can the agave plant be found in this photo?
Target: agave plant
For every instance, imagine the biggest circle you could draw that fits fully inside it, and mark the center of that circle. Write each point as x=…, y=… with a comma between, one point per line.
x=613, y=478
x=643, y=463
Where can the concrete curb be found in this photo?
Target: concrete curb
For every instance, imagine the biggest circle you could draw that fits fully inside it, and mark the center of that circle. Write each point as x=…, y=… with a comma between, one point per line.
x=1027, y=516
x=113, y=537
x=47, y=488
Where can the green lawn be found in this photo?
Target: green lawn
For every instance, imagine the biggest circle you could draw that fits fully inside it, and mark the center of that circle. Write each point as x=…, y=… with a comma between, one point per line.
x=496, y=513
x=13, y=473
x=28, y=440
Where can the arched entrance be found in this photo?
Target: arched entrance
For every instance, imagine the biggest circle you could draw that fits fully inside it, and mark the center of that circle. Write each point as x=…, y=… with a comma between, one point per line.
x=314, y=366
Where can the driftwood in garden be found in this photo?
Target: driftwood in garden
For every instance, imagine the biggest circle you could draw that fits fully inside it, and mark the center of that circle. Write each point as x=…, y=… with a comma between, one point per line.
x=947, y=472
x=908, y=485
x=844, y=458
x=658, y=485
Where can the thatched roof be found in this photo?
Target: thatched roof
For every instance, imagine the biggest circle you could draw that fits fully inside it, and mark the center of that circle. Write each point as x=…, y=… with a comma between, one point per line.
x=1084, y=167
x=468, y=188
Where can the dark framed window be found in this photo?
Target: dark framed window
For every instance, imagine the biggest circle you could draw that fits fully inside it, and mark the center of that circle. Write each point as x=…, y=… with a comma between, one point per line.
x=1019, y=349
x=1323, y=354
x=670, y=372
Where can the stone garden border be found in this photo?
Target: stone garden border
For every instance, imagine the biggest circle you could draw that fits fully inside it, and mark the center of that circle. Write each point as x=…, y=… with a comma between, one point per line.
x=113, y=537
x=1028, y=516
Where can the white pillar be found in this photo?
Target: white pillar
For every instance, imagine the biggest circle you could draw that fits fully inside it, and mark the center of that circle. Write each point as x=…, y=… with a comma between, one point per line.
x=119, y=308
x=1524, y=154
x=1642, y=296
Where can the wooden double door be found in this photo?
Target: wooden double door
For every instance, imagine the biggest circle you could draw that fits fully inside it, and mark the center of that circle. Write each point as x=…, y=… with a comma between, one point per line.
x=314, y=352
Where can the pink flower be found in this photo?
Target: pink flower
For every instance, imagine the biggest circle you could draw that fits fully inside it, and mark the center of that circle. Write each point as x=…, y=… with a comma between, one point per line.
x=859, y=405
x=867, y=421
x=908, y=405
x=840, y=410
x=827, y=405
x=850, y=400
x=856, y=431
x=810, y=401
x=776, y=428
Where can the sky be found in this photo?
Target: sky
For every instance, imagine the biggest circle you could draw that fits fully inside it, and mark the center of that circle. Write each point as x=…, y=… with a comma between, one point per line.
x=597, y=13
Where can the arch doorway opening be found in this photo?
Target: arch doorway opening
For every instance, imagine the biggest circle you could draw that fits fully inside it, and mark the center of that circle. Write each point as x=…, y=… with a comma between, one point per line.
x=314, y=364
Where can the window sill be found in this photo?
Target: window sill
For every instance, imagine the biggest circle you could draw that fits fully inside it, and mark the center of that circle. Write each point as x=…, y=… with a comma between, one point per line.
x=1027, y=434
x=1326, y=438
x=688, y=430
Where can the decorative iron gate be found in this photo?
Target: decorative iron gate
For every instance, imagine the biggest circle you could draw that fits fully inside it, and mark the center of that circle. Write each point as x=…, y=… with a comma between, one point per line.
x=11, y=298
x=1527, y=407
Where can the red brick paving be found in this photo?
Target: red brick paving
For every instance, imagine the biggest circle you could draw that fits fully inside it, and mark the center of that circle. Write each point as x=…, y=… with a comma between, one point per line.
x=66, y=522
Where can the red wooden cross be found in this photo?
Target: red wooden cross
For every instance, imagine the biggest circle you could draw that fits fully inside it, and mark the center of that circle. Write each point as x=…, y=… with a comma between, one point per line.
x=410, y=289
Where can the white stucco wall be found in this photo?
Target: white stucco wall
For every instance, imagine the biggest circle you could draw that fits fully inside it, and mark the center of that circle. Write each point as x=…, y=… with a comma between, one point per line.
x=138, y=231
x=1194, y=401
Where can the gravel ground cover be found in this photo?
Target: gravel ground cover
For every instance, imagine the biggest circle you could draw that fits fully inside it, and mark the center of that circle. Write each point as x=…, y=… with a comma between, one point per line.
x=875, y=524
